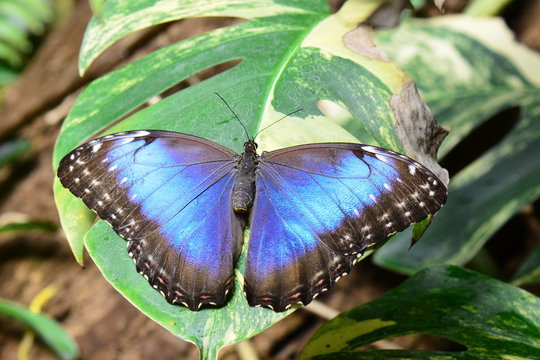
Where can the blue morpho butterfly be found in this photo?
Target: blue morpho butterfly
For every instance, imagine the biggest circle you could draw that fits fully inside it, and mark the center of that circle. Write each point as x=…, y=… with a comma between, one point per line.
x=182, y=203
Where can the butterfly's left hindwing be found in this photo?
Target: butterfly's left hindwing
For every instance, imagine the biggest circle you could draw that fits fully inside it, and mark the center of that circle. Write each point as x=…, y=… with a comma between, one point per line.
x=319, y=206
x=168, y=194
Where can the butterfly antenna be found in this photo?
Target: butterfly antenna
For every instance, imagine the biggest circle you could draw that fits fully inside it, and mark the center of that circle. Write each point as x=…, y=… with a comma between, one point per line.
x=236, y=116
x=275, y=122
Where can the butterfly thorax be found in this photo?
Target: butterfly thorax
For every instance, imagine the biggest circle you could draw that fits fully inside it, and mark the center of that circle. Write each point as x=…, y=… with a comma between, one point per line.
x=244, y=187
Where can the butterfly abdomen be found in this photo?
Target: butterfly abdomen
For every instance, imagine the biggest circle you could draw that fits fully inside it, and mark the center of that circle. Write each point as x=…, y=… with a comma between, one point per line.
x=244, y=187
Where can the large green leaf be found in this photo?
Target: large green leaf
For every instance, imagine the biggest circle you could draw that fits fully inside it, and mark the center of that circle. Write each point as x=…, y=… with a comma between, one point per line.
x=493, y=320
x=467, y=70
x=48, y=329
x=292, y=55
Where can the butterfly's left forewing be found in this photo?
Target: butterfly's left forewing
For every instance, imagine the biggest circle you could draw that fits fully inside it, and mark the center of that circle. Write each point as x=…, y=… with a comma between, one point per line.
x=168, y=195
x=319, y=206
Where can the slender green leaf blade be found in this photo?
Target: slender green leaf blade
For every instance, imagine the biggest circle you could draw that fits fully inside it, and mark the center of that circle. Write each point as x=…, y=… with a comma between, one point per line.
x=26, y=226
x=46, y=328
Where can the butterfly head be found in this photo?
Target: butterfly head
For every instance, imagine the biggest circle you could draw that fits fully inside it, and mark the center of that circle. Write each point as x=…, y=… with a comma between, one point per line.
x=250, y=147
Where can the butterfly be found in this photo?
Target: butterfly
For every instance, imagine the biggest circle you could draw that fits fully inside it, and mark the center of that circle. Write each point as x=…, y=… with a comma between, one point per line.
x=182, y=203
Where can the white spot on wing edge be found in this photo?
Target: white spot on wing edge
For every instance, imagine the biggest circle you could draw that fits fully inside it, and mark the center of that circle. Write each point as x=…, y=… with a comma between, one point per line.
x=126, y=140
x=381, y=157
x=96, y=147
x=369, y=148
x=140, y=133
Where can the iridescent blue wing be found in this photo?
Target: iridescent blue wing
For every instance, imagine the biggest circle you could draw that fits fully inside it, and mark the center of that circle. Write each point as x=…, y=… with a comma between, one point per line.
x=318, y=207
x=169, y=195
